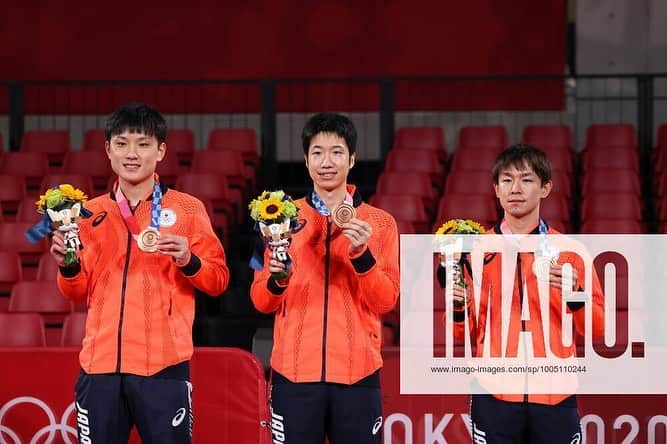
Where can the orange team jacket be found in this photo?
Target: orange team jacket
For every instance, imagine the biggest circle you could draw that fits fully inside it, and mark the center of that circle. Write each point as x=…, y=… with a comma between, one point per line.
x=327, y=325
x=524, y=274
x=141, y=305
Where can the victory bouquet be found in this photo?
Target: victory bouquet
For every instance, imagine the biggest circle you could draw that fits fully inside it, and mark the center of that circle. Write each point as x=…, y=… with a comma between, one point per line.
x=452, y=248
x=275, y=214
x=62, y=207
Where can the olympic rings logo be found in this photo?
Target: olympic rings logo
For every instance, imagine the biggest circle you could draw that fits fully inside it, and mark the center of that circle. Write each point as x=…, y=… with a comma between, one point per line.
x=51, y=428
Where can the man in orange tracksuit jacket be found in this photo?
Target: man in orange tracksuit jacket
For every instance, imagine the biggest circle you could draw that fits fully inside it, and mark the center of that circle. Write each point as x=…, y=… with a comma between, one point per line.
x=327, y=334
x=522, y=178
x=138, y=341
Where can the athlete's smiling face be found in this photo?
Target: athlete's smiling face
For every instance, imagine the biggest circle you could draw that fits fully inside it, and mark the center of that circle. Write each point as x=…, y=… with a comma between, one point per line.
x=134, y=156
x=328, y=161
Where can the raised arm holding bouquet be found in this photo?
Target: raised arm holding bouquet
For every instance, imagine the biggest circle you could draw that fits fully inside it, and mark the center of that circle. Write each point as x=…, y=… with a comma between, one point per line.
x=275, y=214
x=62, y=207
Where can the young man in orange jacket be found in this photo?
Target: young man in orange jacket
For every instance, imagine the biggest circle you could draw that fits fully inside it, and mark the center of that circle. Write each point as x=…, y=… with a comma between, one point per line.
x=146, y=249
x=327, y=334
x=522, y=178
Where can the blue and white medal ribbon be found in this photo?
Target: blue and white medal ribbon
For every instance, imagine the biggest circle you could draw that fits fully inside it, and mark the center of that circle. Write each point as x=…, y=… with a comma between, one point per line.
x=547, y=257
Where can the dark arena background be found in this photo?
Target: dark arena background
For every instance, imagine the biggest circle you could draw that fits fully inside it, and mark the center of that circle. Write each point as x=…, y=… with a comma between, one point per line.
x=435, y=88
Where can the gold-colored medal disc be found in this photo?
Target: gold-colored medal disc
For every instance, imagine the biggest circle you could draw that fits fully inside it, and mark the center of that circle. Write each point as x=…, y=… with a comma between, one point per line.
x=343, y=213
x=147, y=240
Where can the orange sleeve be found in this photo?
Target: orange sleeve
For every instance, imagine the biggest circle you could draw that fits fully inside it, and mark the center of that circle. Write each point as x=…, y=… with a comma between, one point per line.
x=73, y=282
x=211, y=275
x=378, y=272
x=265, y=293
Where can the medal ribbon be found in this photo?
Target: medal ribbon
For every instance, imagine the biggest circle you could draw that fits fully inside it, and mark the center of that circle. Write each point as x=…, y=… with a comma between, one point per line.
x=128, y=217
x=321, y=207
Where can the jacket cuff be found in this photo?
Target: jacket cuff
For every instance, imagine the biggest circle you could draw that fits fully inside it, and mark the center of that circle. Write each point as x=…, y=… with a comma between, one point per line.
x=574, y=306
x=71, y=271
x=459, y=315
x=274, y=288
x=192, y=267
x=363, y=262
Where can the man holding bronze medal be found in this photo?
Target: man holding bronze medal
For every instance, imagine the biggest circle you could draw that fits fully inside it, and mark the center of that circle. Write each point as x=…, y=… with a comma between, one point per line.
x=521, y=179
x=147, y=249
x=343, y=275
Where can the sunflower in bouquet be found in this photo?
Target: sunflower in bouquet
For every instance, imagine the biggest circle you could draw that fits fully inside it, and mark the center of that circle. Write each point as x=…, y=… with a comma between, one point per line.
x=275, y=214
x=62, y=207
x=455, y=227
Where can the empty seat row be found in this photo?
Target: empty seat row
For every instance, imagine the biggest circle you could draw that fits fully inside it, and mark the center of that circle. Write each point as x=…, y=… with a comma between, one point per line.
x=28, y=330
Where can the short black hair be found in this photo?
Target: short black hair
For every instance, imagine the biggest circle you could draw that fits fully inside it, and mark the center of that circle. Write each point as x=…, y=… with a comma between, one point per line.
x=330, y=123
x=136, y=118
x=520, y=155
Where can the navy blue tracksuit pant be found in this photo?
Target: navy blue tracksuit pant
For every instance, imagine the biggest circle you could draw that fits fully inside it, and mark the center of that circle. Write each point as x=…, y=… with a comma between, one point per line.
x=304, y=413
x=109, y=405
x=501, y=422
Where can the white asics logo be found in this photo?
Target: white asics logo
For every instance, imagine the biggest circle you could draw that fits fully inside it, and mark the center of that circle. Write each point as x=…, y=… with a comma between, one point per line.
x=377, y=425
x=478, y=435
x=178, y=418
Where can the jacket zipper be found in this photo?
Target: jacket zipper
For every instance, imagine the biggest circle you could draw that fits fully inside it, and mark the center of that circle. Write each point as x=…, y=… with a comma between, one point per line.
x=523, y=323
x=327, y=257
x=122, y=299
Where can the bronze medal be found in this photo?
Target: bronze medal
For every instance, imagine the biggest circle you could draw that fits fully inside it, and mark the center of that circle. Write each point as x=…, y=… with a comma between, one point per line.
x=147, y=240
x=343, y=213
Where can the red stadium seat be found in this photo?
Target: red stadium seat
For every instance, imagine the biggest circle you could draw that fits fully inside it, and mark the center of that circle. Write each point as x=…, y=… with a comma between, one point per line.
x=181, y=143
x=611, y=181
x=475, y=159
x=10, y=273
x=38, y=296
x=611, y=158
x=92, y=163
x=611, y=206
x=22, y=330
x=31, y=166
x=13, y=239
x=543, y=136
x=235, y=139
x=55, y=143
x=611, y=136
x=554, y=208
x=407, y=207
x=416, y=161
x=74, y=330
x=469, y=182
x=228, y=163
x=409, y=183
x=561, y=183
x=561, y=158
x=47, y=269
x=94, y=140
x=27, y=212
x=661, y=136
x=478, y=207
x=12, y=191
x=425, y=137
x=169, y=168
x=612, y=226
x=492, y=136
